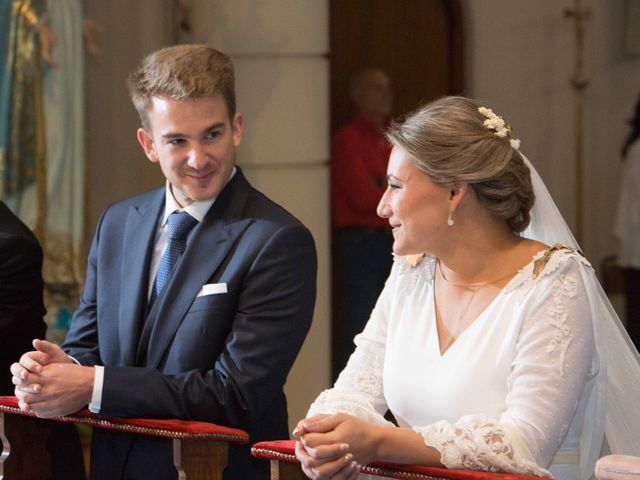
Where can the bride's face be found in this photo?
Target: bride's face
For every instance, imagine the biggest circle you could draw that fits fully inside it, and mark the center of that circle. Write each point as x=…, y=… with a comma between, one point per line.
x=416, y=207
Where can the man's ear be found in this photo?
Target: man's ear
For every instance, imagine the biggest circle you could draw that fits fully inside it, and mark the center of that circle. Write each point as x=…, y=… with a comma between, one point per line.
x=146, y=142
x=237, y=127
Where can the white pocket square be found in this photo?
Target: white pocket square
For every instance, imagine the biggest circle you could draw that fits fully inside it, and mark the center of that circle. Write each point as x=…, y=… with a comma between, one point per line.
x=211, y=288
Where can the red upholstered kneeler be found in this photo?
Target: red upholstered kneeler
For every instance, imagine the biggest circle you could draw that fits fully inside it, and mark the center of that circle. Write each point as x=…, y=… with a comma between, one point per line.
x=199, y=448
x=284, y=466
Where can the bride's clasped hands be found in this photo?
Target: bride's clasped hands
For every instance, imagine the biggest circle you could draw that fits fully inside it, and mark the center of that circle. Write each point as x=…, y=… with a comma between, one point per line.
x=335, y=446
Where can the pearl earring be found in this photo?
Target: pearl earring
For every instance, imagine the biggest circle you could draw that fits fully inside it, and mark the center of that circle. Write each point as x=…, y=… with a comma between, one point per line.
x=450, y=219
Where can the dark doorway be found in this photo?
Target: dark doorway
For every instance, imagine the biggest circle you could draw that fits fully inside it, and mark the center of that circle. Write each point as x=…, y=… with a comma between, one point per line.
x=418, y=43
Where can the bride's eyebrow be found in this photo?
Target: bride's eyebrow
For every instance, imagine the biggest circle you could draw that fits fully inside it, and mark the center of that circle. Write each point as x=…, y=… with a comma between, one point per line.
x=396, y=179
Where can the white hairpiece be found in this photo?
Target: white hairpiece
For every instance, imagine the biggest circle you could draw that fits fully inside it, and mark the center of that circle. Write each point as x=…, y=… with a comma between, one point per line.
x=495, y=123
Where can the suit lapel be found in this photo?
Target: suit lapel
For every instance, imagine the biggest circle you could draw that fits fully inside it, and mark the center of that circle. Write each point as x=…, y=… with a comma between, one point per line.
x=211, y=242
x=140, y=232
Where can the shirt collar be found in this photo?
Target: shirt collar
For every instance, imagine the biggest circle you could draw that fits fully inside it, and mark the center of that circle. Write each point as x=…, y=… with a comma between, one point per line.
x=197, y=209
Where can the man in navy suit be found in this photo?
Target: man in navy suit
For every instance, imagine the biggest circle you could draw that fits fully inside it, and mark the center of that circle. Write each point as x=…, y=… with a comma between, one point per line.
x=216, y=341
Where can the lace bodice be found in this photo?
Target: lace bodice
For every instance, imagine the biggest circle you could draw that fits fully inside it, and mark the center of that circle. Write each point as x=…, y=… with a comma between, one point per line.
x=507, y=395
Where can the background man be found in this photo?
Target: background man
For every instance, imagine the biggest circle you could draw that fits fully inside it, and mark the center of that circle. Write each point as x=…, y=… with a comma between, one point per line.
x=198, y=294
x=359, y=157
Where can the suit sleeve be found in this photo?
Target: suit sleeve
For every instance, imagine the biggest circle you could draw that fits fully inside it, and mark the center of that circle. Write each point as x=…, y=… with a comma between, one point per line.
x=20, y=284
x=272, y=318
x=21, y=306
x=81, y=341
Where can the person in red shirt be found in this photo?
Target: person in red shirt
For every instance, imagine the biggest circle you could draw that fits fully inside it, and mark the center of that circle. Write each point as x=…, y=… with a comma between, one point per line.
x=363, y=241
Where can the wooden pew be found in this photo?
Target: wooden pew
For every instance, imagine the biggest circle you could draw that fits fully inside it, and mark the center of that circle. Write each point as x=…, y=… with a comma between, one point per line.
x=285, y=466
x=200, y=450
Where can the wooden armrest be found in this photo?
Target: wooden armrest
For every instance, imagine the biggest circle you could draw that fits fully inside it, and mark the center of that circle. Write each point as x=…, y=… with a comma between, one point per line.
x=284, y=466
x=200, y=449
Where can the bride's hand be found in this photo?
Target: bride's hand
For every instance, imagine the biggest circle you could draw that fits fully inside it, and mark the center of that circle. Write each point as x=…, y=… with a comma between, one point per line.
x=326, y=461
x=328, y=431
x=330, y=461
x=300, y=430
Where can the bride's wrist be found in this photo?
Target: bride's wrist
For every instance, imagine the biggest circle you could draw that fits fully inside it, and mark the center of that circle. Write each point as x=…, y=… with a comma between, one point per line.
x=382, y=442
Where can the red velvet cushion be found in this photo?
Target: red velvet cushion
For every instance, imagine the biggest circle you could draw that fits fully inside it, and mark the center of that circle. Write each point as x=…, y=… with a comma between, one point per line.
x=284, y=450
x=181, y=429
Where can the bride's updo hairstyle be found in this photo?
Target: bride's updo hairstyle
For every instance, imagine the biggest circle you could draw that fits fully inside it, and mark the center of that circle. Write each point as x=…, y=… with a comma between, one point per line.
x=455, y=140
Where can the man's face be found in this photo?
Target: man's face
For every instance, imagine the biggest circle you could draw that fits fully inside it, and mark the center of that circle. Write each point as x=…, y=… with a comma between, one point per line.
x=375, y=96
x=195, y=142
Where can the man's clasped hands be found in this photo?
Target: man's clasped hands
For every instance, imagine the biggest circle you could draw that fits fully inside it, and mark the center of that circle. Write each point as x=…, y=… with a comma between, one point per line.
x=50, y=383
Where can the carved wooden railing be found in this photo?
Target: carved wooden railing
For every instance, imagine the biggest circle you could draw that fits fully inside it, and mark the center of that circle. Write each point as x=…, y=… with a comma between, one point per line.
x=200, y=450
x=285, y=466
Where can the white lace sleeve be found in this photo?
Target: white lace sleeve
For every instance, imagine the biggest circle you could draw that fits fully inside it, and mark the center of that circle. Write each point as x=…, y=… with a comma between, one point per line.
x=477, y=442
x=548, y=375
x=358, y=390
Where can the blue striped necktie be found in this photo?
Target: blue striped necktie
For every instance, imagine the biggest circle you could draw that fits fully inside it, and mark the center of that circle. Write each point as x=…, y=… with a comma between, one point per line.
x=179, y=224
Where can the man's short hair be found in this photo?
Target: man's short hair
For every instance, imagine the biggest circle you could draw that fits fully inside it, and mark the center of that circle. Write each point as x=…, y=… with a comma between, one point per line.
x=182, y=72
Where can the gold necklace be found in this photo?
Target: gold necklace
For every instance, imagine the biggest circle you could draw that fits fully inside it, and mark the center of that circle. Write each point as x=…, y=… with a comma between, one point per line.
x=455, y=331
x=471, y=285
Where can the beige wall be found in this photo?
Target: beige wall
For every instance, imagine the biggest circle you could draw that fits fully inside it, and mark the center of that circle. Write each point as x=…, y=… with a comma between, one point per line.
x=117, y=167
x=520, y=58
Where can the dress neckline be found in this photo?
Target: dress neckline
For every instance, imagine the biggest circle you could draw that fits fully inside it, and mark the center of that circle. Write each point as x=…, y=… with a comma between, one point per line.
x=471, y=325
x=537, y=263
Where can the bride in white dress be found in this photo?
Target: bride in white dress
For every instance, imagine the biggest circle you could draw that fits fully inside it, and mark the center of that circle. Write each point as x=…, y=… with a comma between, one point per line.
x=489, y=349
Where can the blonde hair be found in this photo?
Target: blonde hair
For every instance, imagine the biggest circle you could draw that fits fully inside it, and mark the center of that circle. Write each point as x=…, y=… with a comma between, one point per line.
x=182, y=72
x=450, y=143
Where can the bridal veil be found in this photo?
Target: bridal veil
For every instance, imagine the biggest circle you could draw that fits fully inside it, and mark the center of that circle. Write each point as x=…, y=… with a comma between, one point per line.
x=614, y=403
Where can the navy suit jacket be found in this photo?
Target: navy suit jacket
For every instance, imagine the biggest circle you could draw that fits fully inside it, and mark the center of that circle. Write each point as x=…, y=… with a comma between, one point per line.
x=223, y=357
x=21, y=306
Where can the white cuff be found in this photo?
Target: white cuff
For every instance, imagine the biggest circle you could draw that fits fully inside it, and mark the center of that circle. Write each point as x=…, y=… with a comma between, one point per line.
x=74, y=360
x=96, y=396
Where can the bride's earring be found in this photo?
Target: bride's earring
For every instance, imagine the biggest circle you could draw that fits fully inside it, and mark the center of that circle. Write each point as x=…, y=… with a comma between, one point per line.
x=450, y=217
